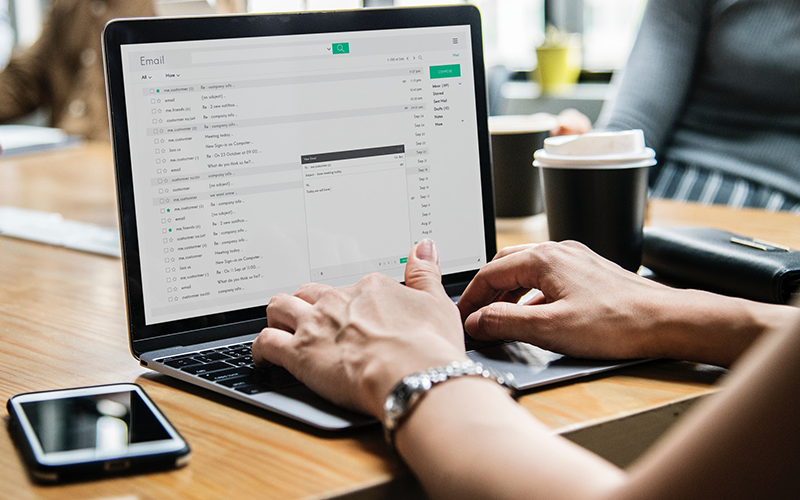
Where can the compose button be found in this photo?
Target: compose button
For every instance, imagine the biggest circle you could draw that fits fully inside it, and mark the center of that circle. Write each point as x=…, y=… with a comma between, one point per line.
x=341, y=48
x=445, y=71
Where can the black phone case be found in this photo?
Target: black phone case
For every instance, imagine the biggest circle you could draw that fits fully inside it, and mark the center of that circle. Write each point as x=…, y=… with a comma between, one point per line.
x=723, y=262
x=47, y=474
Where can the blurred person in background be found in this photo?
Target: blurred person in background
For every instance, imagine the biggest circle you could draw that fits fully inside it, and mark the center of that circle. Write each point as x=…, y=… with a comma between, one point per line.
x=713, y=84
x=63, y=70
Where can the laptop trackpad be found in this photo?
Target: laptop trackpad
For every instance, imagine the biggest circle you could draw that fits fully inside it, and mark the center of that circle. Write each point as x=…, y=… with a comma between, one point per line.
x=533, y=366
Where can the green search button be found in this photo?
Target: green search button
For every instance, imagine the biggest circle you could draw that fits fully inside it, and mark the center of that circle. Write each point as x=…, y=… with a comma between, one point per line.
x=445, y=71
x=341, y=48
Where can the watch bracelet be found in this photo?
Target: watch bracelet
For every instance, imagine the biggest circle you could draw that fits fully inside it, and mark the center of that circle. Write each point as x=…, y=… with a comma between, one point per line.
x=407, y=393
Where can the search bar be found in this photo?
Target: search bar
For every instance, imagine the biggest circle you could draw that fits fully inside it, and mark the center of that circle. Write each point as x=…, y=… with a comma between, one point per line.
x=261, y=53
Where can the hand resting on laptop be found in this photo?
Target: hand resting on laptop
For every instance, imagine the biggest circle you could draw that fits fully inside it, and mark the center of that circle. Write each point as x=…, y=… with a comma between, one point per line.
x=468, y=439
x=353, y=344
x=590, y=307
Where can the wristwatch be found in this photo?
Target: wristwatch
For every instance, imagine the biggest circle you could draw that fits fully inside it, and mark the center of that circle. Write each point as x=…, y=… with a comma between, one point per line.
x=408, y=392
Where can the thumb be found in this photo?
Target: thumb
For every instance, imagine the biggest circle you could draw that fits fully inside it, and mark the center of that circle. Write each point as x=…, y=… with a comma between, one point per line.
x=422, y=268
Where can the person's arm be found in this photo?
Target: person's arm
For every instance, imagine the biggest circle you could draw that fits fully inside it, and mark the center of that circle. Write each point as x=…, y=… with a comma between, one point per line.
x=590, y=307
x=741, y=443
x=467, y=439
x=22, y=85
x=659, y=72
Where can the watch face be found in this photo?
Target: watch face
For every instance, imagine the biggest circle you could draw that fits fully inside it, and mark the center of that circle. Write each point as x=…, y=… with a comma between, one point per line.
x=390, y=408
x=402, y=398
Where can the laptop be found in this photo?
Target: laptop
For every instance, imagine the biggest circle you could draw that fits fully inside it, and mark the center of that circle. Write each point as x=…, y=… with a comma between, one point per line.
x=256, y=153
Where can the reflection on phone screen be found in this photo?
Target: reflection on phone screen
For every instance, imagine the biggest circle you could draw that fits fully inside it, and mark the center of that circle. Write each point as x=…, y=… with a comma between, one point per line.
x=108, y=423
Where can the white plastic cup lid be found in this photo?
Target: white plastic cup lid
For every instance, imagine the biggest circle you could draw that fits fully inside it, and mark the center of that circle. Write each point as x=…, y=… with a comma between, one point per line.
x=625, y=149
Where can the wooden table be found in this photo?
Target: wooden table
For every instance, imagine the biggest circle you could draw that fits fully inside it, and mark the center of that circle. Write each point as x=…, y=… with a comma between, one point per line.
x=62, y=324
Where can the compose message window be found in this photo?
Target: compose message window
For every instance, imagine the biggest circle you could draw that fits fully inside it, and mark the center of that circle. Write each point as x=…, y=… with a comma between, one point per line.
x=260, y=164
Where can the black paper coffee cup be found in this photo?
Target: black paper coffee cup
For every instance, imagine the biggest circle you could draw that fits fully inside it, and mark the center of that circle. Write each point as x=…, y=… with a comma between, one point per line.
x=517, y=189
x=599, y=195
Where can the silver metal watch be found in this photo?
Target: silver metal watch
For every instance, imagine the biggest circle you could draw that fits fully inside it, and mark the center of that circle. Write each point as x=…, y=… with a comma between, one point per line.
x=408, y=392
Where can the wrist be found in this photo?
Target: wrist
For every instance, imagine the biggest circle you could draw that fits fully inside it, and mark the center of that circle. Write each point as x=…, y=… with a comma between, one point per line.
x=404, y=397
x=387, y=366
x=463, y=407
x=700, y=326
x=382, y=375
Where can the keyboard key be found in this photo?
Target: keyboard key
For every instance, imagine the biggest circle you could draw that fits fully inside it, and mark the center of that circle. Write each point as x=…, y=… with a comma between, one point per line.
x=255, y=376
x=243, y=361
x=281, y=378
x=241, y=351
x=235, y=383
x=180, y=362
x=207, y=368
x=242, y=345
x=231, y=373
x=254, y=389
x=208, y=358
x=201, y=358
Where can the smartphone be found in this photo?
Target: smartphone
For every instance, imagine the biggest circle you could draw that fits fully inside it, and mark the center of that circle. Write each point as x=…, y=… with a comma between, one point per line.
x=74, y=434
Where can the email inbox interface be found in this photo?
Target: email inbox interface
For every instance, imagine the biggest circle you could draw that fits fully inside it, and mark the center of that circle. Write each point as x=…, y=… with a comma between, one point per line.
x=260, y=164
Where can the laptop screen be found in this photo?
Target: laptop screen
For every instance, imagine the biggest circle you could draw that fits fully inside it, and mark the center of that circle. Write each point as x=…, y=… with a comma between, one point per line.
x=260, y=163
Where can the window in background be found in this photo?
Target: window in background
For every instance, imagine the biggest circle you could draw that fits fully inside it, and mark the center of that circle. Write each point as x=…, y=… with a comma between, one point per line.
x=26, y=19
x=609, y=30
x=511, y=31
x=417, y=3
x=6, y=34
x=296, y=5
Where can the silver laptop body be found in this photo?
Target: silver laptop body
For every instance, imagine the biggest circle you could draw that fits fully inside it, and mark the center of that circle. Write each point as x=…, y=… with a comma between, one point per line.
x=256, y=153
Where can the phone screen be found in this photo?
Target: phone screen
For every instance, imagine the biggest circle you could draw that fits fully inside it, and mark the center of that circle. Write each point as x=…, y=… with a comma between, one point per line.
x=107, y=423
x=94, y=430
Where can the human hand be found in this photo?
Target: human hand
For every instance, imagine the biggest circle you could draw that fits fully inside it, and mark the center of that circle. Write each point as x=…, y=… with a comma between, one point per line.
x=352, y=345
x=587, y=306
x=571, y=122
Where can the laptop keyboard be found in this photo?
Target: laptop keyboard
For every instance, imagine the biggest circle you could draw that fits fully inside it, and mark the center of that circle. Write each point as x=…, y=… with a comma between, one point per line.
x=232, y=366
